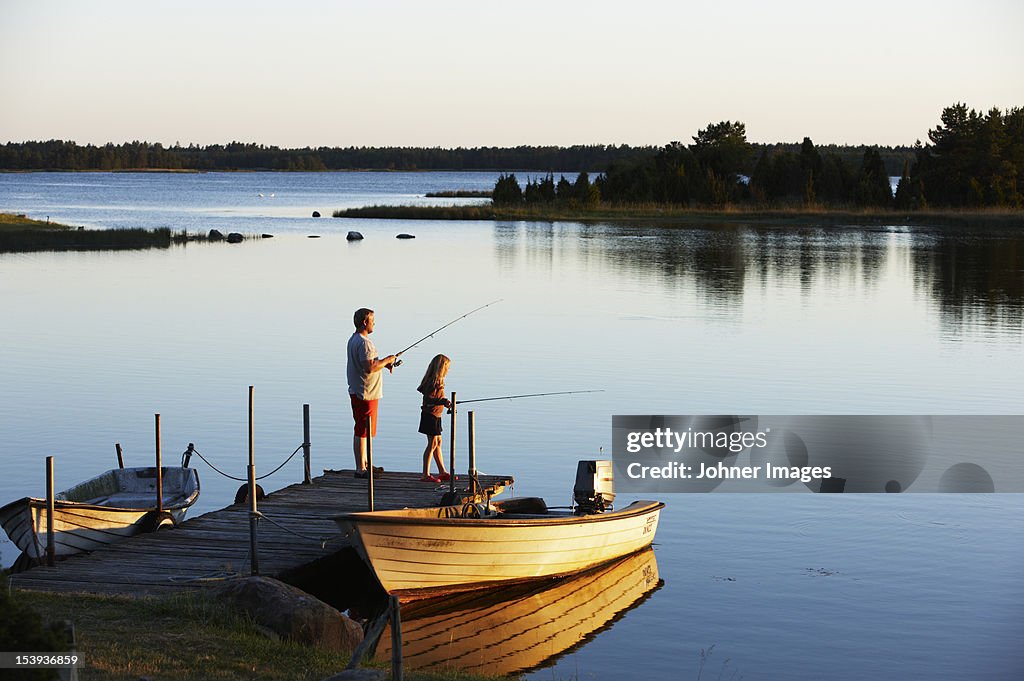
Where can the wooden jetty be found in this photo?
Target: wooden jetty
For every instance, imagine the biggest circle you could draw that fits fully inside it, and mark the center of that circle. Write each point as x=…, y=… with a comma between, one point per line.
x=295, y=530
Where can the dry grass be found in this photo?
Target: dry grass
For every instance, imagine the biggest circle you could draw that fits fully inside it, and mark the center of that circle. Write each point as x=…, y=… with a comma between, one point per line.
x=16, y=223
x=184, y=638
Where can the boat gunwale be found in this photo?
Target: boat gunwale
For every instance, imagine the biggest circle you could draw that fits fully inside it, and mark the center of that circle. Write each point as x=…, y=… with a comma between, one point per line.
x=395, y=517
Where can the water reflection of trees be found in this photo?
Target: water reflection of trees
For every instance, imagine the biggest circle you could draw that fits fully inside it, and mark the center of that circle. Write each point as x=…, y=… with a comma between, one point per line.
x=973, y=277
x=976, y=277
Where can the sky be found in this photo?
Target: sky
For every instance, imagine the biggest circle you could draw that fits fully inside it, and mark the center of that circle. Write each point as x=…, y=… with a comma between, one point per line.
x=451, y=73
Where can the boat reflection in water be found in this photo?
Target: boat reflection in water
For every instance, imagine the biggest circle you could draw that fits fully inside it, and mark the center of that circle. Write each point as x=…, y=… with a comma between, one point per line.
x=514, y=629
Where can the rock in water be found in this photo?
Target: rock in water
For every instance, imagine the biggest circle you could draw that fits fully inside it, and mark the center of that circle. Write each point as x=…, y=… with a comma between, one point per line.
x=291, y=613
x=354, y=236
x=216, y=235
x=316, y=213
x=234, y=238
x=406, y=236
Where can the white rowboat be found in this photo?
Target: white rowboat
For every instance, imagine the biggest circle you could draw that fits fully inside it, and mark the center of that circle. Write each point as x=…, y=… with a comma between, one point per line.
x=105, y=509
x=420, y=552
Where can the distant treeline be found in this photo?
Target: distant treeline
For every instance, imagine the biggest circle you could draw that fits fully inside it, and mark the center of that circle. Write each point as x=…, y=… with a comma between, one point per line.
x=62, y=155
x=973, y=160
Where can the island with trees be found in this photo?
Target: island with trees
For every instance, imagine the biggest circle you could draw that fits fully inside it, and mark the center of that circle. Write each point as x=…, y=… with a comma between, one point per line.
x=972, y=162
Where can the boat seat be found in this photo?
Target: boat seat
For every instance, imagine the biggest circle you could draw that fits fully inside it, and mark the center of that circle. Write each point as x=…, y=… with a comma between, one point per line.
x=134, y=500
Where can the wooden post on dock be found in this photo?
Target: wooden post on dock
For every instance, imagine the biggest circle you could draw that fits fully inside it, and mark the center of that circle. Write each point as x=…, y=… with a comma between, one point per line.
x=369, y=462
x=397, y=667
x=253, y=513
x=451, y=449
x=120, y=455
x=159, y=468
x=472, y=455
x=51, y=549
x=307, y=477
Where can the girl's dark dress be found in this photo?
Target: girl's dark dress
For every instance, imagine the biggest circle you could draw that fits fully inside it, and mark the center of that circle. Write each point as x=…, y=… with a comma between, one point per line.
x=430, y=412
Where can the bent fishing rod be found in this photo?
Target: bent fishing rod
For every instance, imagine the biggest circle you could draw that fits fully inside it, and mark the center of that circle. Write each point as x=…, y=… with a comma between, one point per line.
x=516, y=397
x=442, y=328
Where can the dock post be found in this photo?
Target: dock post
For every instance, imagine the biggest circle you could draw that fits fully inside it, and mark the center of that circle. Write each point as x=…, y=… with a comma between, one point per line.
x=159, y=468
x=307, y=478
x=369, y=462
x=451, y=449
x=253, y=513
x=397, y=666
x=51, y=549
x=120, y=455
x=472, y=454
x=253, y=543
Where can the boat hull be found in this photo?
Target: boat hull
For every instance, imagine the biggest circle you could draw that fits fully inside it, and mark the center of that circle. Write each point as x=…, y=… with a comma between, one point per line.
x=414, y=555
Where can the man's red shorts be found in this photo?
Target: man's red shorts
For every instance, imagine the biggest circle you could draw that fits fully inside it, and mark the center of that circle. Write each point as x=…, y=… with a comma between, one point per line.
x=360, y=410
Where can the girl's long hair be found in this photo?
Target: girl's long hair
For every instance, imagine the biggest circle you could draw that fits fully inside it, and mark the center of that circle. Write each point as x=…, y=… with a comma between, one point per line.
x=434, y=377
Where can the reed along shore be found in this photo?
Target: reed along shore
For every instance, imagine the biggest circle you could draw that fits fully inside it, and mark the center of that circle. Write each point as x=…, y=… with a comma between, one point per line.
x=21, y=234
x=668, y=215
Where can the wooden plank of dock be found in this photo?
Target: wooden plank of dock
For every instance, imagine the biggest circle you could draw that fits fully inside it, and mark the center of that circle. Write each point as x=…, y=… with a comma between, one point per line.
x=296, y=529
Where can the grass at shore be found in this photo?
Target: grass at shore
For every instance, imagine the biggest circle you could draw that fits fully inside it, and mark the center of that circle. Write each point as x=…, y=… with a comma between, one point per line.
x=17, y=223
x=21, y=234
x=675, y=215
x=461, y=194
x=185, y=638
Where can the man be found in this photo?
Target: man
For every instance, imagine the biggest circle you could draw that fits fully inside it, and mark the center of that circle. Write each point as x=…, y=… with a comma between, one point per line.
x=365, y=383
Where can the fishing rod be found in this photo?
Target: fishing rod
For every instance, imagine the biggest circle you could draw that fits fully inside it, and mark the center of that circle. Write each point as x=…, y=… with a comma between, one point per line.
x=516, y=397
x=438, y=330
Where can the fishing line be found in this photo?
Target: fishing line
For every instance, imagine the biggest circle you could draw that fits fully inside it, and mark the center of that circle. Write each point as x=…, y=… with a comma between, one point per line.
x=516, y=397
x=442, y=328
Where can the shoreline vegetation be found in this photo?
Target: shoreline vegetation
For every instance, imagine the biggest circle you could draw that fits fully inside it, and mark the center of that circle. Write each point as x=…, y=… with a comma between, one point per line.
x=972, y=172
x=22, y=234
x=185, y=638
x=668, y=216
x=461, y=194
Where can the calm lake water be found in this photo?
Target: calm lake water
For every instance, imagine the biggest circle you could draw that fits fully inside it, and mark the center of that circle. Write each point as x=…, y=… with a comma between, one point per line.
x=700, y=320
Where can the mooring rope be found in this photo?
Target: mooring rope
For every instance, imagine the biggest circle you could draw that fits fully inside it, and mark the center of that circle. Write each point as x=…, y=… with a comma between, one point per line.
x=219, y=576
x=290, y=457
x=320, y=540
x=265, y=475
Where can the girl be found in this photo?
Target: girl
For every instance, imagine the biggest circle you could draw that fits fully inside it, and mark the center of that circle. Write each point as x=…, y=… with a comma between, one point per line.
x=434, y=403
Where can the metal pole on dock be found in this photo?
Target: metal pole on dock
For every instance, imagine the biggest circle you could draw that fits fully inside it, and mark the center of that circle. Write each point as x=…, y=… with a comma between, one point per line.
x=451, y=456
x=472, y=454
x=120, y=455
x=159, y=468
x=369, y=461
x=397, y=666
x=253, y=543
x=51, y=549
x=253, y=513
x=307, y=478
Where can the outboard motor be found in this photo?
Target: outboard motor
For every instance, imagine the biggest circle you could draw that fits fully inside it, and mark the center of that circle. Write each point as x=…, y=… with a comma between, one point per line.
x=594, y=491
